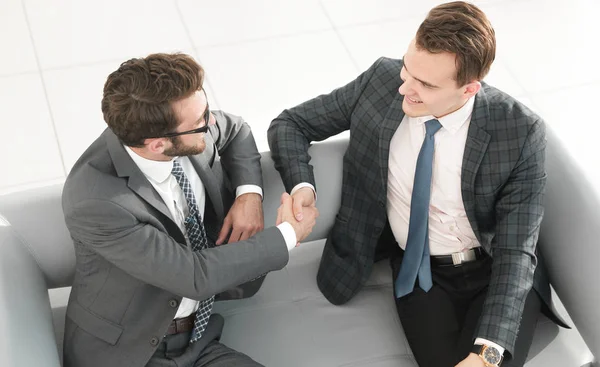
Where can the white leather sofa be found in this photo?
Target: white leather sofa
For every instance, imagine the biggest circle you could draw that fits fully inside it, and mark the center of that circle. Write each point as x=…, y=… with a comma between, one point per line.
x=288, y=322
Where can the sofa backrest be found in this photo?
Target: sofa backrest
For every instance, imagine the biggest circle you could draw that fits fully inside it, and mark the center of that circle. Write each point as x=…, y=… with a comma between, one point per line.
x=569, y=237
x=327, y=164
x=36, y=216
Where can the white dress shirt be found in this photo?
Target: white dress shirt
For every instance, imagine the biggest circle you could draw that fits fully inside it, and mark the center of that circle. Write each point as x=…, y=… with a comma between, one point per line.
x=159, y=175
x=449, y=227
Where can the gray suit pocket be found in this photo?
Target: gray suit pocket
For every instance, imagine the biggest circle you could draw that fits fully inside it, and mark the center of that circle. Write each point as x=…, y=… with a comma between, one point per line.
x=94, y=324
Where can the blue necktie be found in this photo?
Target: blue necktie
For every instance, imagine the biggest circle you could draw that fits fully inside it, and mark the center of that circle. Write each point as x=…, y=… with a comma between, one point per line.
x=196, y=234
x=416, y=255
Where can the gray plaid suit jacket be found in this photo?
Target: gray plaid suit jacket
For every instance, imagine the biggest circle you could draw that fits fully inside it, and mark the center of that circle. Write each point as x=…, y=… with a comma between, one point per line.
x=503, y=182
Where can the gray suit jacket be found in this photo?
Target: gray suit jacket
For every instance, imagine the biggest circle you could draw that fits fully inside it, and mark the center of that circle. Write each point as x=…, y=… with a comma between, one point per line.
x=134, y=264
x=503, y=181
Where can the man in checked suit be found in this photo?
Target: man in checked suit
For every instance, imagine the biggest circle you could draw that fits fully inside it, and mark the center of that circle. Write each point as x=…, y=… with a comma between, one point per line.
x=165, y=212
x=444, y=173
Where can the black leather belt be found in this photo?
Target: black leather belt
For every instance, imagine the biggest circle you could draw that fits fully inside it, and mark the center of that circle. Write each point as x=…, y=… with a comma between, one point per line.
x=458, y=258
x=181, y=325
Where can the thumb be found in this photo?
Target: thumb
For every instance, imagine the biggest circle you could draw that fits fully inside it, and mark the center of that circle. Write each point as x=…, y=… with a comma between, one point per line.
x=298, y=208
x=284, y=197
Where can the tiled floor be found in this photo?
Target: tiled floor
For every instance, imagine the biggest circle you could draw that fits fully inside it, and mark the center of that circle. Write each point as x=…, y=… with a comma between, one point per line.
x=262, y=56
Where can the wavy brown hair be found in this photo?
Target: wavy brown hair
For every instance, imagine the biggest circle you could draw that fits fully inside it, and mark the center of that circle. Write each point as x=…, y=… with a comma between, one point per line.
x=138, y=97
x=462, y=29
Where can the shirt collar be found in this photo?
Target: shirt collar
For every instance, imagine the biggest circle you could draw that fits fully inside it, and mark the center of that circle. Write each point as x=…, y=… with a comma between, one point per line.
x=453, y=121
x=157, y=171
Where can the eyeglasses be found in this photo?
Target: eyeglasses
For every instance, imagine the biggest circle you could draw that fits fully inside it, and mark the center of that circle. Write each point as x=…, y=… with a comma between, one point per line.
x=202, y=129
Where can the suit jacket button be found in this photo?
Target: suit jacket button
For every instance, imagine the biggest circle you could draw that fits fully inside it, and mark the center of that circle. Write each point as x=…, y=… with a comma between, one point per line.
x=154, y=341
x=382, y=204
x=173, y=303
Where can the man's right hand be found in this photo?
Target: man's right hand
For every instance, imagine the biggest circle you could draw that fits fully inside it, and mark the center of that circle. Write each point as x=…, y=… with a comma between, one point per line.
x=286, y=213
x=302, y=198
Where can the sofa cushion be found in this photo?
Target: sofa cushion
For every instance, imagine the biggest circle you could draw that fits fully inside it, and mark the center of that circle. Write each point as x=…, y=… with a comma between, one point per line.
x=289, y=323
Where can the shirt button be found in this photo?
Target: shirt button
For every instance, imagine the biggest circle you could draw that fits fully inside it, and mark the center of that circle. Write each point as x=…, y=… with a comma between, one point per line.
x=154, y=341
x=452, y=228
x=173, y=303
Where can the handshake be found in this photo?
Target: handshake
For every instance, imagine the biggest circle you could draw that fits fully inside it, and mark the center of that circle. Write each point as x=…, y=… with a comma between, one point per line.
x=300, y=211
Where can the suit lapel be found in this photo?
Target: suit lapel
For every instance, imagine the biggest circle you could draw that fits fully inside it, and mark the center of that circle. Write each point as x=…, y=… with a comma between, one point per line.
x=137, y=182
x=211, y=184
x=386, y=131
x=475, y=149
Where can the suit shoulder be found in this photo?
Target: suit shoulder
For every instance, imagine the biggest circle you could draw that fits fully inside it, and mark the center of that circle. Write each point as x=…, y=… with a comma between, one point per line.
x=226, y=116
x=507, y=111
x=91, y=176
x=385, y=66
x=383, y=75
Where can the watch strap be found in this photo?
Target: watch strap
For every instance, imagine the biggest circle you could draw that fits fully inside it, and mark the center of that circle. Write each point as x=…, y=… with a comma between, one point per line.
x=477, y=349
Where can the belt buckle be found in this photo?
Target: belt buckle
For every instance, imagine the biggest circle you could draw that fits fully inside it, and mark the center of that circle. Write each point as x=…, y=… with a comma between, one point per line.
x=462, y=257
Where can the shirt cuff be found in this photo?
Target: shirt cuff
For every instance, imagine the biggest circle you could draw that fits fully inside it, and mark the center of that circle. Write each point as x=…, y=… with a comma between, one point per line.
x=289, y=235
x=482, y=341
x=302, y=185
x=248, y=189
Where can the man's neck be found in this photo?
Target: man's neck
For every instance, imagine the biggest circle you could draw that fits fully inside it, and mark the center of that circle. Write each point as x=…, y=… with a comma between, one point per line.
x=454, y=109
x=144, y=153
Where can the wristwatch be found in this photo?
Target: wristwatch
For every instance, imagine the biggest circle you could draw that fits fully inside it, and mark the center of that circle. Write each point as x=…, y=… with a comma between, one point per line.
x=490, y=355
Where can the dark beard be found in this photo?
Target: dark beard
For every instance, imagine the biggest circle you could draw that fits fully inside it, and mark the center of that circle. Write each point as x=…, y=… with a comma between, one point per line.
x=179, y=150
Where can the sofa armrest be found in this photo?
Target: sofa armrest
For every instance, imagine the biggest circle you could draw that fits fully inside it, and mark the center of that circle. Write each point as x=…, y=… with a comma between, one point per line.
x=26, y=328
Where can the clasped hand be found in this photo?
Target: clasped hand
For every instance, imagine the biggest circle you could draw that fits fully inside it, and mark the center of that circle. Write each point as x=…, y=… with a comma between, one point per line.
x=300, y=211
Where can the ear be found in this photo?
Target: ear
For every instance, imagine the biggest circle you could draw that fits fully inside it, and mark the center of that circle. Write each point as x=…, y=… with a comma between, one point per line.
x=472, y=88
x=156, y=145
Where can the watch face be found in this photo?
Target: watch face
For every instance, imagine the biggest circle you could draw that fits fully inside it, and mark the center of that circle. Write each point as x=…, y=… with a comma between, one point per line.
x=492, y=355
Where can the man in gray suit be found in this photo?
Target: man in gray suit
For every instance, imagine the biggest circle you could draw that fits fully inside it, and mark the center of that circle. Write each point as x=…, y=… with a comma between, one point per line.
x=165, y=211
x=445, y=174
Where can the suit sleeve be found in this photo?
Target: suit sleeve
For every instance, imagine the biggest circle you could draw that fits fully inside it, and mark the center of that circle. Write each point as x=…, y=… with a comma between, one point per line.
x=147, y=253
x=291, y=133
x=236, y=146
x=519, y=212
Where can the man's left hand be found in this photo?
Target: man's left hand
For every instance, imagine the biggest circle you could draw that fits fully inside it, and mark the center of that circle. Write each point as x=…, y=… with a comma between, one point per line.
x=473, y=360
x=244, y=220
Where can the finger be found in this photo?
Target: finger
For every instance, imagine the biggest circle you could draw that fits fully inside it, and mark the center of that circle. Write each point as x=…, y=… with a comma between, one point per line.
x=235, y=235
x=298, y=208
x=283, y=196
x=279, y=219
x=254, y=230
x=245, y=235
x=287, y=205
x=224, y=231
x=248, y=234
x=261, y=221
x=250, y=231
